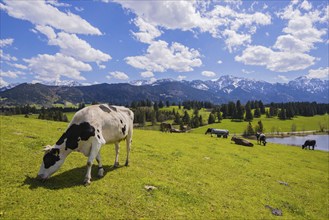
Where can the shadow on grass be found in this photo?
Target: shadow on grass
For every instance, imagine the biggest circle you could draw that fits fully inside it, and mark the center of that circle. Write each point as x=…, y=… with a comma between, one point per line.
x=67, y=179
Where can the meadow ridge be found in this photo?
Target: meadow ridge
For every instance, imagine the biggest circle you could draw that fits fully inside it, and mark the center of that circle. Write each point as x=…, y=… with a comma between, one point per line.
x=195, y=177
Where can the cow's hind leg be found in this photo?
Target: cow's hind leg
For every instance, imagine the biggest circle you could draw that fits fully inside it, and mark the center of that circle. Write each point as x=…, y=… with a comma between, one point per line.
x=100, y=165
x=128, y=145
x=117, y=151
x=95, y=147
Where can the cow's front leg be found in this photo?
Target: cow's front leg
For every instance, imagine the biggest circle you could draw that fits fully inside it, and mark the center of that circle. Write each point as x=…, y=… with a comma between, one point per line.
x=93, y=153
x=100, y=165
x=117, y=151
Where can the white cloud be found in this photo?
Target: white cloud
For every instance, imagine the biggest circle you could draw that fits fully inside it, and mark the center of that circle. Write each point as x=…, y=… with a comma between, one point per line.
x=118, y=75
x=160, y=57
x=197, y=15
x=301, y=34
x=147, y=32
x=53, y=67
x=233, y=39
x=79, y=9
x=208, y=74
x=219, y=62
x=72, y=45
x=3, y=83
x=168, y=14
x=17, y=65
x=246, y=71
x=282, y=78
x=302, y=28
x=306, y=5
x=275, y=61
x=147, y=74
x=42, y=13
x=6, y=42
x=11, y=74
x=6, y=57
x=290, y=43
x=181, y=77
x=101, y=66
x=321, y=73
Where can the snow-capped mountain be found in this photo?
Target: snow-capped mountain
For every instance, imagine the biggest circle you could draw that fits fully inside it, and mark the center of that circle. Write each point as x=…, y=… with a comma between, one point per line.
x=9, y=86
x=69, y=83
x=142, y=82
x=234, y=88
x=309, y=84
x=221, y=90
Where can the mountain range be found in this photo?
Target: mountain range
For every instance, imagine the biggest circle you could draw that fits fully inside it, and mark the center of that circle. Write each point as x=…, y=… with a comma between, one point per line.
x=224, y=89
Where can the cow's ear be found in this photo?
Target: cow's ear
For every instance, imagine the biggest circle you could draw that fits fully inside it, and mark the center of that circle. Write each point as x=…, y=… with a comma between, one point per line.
x=47, y=148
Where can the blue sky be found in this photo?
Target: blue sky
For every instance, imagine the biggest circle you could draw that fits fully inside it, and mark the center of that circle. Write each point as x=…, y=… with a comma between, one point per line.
x=113, y=41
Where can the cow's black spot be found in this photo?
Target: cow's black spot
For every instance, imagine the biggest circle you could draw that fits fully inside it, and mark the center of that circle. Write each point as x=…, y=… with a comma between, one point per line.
x=98, y=130
x=51, y=157
x=75, y=133
x=104, y=108
x=113, y=108
x=121, y=121
x=123, y=130
x=98, y=137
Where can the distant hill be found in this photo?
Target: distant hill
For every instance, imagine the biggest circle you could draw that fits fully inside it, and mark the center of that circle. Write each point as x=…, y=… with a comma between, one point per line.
x=222, y=90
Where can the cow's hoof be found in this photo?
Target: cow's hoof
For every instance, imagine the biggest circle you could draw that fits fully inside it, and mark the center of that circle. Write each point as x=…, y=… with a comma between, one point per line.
x=116, y=165
x=127, y=163
x=86, y=182
x=100, y=173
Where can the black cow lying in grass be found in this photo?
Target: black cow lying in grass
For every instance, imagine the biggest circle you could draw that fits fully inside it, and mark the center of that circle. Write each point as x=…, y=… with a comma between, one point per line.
x=309, y=144
x=241, y=141
x=261, y=138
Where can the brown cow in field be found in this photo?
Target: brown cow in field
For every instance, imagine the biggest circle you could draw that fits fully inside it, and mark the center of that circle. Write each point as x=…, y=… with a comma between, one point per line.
x=166, y=127
x=241, y=141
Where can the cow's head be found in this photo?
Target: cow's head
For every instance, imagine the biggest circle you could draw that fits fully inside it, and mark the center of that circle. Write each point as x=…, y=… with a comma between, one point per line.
x=52, y=160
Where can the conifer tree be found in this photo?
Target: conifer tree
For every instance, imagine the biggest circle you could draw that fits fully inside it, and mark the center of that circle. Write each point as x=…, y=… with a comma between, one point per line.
x=211, y=118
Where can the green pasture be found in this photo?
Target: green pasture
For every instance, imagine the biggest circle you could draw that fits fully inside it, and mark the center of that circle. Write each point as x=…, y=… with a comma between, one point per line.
x=196, y=177
x=271, y=124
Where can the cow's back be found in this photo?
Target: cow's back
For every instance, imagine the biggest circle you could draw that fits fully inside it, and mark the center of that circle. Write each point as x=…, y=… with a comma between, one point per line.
x=114, y=123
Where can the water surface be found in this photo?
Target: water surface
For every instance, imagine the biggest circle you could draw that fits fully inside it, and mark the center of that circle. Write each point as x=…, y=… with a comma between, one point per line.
x=322, y=141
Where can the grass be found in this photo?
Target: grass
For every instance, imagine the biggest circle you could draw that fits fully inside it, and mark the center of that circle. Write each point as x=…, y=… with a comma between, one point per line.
x=272, y=124
x=196, y=177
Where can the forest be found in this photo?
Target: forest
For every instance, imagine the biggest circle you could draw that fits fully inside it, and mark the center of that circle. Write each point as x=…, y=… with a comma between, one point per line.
x=157, y=112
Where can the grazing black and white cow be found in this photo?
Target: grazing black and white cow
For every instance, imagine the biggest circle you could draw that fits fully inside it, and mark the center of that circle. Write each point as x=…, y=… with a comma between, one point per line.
x=90, y=128
x=218, y=132
x=241, y=141
x=261, y=138
x=309, y=144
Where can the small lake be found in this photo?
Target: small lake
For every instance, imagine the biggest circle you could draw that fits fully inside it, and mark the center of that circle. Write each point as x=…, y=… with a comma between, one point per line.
x=322, y=141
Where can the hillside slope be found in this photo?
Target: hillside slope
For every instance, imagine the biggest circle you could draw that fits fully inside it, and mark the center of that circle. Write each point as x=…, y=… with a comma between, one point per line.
x=196, y=177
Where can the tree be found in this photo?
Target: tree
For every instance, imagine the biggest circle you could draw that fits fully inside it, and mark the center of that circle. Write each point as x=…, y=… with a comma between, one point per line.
x=155, y=106
x=282, y=114
x=239, y=111
x=249, y=116
x=259, y=127
x=261, y=107
x=219, y=116
x=249, y=130
x=257, y=113
x=177, y=118
x=231, y=109
x=186, y=118
x=224, y=109
x=161, y=105
x=211, y=118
